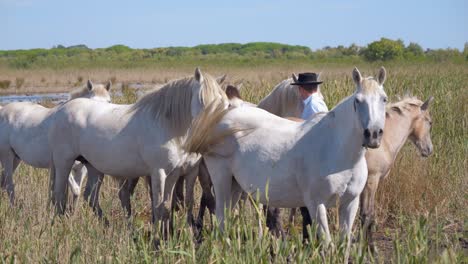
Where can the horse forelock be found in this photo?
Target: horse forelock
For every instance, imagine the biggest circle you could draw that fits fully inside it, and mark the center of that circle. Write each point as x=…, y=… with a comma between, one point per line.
x=369, y=85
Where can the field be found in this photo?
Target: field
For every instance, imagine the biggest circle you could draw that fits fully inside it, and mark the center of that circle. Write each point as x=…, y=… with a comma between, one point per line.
x=422, y=207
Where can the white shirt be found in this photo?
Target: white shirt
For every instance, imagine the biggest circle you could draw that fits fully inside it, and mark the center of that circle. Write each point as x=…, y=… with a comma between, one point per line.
x=312, y=105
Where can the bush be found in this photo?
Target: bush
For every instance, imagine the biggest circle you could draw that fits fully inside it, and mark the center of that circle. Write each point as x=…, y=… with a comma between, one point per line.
x=384, y=50
x=5, y=84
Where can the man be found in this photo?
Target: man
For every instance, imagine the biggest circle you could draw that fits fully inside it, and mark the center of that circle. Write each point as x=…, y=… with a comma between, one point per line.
x=309, y=90
x=313, y=103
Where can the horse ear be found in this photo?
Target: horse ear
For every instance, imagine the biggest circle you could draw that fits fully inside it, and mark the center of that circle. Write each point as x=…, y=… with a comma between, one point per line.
x=232, y=91
x=425, y=106
x=89, y=84
x=294, y=77
x=198, y=75
x=357, y=77
x=108, y=85
x=221, y=79
x=382, y=75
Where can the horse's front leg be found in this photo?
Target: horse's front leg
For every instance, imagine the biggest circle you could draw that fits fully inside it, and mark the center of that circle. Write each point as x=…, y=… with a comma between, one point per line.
x=190, y=178
x=178, y=198
x=367, y=207
x=347, y=212
x=162, y=186
x=207, y=199
x=318, y=214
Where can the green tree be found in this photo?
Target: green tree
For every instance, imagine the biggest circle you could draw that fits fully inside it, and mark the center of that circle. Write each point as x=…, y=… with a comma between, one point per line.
x=415, y=49
x=384, y=49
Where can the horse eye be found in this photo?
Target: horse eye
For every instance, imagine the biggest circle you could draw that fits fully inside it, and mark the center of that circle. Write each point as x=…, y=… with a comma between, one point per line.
x=385, y=99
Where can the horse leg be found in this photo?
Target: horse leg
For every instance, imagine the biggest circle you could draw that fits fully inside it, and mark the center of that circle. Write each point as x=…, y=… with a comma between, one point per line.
x=9, y=162
x=306, y=221
x=292, y=216
x=273, y=221
x=75, y=180
x=93, y=185
x=367, y=213
x=60, y=172
x=347, y=212
x=221, y=177
x=178, y=198
x=191, y=177
x=126, y=190
x=319, y=214
x=207, y=199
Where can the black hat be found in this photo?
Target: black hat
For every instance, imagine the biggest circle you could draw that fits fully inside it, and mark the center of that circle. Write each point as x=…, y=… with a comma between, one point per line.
x=307, y=78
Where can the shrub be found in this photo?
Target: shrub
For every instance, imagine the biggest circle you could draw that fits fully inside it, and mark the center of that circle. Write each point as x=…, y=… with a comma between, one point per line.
x=5, y=84
x=384, y=50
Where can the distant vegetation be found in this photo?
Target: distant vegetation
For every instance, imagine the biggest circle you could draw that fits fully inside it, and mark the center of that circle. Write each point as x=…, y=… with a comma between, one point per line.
x=121, y=56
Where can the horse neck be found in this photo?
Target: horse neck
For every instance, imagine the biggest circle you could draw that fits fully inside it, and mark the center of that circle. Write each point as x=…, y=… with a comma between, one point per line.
x=396, y=132
x=269, y=105
x=341, y=129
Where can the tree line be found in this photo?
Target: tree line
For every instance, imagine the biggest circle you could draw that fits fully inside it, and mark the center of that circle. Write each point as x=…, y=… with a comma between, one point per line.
x=382, y=50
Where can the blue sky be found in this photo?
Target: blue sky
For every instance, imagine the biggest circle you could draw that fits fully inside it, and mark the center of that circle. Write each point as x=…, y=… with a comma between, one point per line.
x=146, y=24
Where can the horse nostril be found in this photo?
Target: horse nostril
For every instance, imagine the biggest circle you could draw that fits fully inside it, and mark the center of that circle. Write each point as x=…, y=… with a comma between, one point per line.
x=380, y=132
x=367, y=133
x=374, y=135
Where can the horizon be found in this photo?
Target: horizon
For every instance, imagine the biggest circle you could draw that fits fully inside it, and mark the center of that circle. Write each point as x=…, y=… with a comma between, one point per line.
x=202, y=44
x=146, y=24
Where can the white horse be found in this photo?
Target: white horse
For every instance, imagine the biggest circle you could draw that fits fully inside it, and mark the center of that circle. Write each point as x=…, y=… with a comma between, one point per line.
x=292, y=164
x=130, y=141
x=23, y=133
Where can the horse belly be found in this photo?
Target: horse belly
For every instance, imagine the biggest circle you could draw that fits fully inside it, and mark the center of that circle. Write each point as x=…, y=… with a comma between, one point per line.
x=32, y=149
x=120, y=166
x=276, y=185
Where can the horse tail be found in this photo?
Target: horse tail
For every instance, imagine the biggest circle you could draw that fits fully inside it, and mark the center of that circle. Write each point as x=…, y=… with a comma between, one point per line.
x=202, y=135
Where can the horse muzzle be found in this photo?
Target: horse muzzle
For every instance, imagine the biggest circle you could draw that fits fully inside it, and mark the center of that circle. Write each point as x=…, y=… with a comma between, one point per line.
x=372, y=137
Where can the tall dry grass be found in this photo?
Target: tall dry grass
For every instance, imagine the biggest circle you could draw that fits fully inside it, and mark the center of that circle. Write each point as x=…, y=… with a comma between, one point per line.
x=422, y=205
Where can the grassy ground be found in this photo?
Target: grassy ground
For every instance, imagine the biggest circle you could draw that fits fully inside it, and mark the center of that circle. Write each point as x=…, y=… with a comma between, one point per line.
x=422, y=206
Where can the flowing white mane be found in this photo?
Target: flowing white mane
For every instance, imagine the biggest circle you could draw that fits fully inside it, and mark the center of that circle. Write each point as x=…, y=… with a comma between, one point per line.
x=172, y=102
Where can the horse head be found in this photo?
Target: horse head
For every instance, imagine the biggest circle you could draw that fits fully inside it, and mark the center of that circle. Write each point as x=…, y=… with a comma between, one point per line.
x=369, y=103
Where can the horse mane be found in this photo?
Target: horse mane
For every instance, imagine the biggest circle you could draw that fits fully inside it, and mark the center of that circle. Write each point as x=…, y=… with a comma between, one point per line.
x=404, y=105
x=283, y=96
x=172, y=102
x=98, y=89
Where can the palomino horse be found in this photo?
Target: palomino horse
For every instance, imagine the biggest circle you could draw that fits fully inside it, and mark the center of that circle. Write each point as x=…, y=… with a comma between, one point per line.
x=408, y=118
x=24, y=127
x=130, y=141
x=254, y=151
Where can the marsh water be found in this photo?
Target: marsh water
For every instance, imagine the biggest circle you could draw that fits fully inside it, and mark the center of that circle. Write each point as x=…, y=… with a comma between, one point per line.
x=34, y=98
